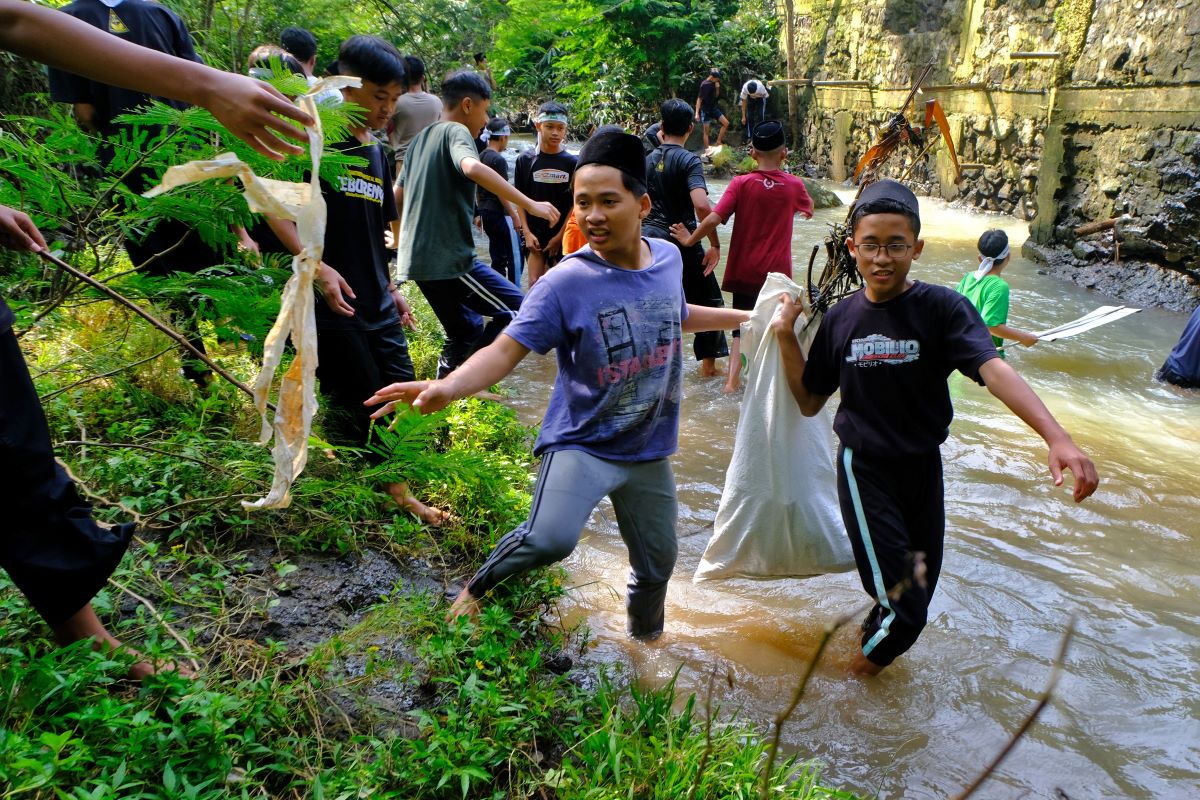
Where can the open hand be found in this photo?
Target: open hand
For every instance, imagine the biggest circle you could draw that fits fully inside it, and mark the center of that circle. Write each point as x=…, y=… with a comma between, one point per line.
x=425, y=396
x=681, y=234
x=546, y=211
x=1065, y=455
x=17, y=231
x=248, y=108
x=709, y=262
x=334, y=290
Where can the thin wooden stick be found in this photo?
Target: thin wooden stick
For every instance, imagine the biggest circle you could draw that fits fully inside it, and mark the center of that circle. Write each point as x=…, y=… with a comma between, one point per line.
x=773, y=751
x=191, y=657
x=179, y=338
x=103, y=375
x=130, y=446
x=1043, y=701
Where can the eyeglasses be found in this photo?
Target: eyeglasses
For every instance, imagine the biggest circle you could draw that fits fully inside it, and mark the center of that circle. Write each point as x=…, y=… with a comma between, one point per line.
x=895, y=249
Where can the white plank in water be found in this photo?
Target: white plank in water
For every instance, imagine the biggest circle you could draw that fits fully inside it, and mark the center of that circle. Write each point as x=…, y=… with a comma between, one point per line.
x=1094, y=319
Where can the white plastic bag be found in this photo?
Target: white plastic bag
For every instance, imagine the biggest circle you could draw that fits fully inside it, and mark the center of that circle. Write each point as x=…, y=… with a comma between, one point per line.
x=779, y=513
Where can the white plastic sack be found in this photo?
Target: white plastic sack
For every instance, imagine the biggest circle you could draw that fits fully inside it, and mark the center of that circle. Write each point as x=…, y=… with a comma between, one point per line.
x=779, y=513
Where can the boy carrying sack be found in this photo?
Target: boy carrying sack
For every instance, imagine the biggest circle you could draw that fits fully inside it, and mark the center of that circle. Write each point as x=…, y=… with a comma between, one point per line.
x=614, y=313
x=889, y=349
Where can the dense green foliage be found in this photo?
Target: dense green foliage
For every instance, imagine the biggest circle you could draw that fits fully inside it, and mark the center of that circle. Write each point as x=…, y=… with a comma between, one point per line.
x=616, y=62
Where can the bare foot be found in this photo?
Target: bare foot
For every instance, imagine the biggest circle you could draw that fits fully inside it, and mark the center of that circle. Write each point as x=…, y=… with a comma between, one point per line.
x=84, y=624
x=731, y=385
x=404, y=498
x=466, y=604
x=861, y=665
x=709, y=369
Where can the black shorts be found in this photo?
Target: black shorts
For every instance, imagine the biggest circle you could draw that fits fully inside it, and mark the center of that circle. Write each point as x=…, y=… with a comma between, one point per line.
x=351, y=366
x=56, y=554
x=743, y=302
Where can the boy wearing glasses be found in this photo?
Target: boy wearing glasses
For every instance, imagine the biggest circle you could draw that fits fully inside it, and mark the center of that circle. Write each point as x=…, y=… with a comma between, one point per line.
x=890, y=348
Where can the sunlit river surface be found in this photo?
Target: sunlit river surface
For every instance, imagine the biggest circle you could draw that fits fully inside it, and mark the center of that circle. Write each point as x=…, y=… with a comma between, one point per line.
x=1021, y=558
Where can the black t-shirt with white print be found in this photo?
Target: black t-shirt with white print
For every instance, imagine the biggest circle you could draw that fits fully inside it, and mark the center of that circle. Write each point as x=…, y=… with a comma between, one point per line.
x=359, y=206
x=147, y=24
x=546, y=177
x=672, y=172
x=891, y=361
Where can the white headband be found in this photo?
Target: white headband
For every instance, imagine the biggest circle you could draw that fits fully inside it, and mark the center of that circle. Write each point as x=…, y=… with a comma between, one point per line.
x=985, y=265
x=552, y=117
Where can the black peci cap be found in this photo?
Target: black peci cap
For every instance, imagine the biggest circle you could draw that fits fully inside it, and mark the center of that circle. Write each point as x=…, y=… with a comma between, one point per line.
x=887, y=189
x=615, y=149
x=768, y=136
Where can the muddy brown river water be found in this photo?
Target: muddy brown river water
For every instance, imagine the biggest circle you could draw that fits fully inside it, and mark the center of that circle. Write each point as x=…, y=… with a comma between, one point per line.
x=1021, y=558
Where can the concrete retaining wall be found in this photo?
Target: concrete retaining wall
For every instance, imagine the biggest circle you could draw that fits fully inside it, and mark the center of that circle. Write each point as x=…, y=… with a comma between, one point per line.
x=1108, y=127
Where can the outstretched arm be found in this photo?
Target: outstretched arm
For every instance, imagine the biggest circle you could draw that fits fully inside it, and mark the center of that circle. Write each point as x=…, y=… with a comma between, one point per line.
x=489, y=179
x=480, y=371
x=706, y=227
x=1009, y=332
x=1007, y=386
x=705, y=318
x=794, y=363
x=243, y=105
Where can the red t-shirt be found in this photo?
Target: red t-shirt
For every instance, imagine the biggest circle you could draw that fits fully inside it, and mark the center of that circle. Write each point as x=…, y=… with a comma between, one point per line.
x=765, y=203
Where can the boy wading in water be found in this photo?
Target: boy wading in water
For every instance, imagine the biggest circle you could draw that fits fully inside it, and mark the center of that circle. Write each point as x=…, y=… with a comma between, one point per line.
x=614, y=312
x=544, y=173
x=988, y=292
x=498, y=218
x=890, y=348
x=678, y=195
x=764, y=203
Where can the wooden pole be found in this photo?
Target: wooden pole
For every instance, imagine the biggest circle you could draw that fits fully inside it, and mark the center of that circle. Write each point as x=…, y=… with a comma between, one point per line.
x=792, y=103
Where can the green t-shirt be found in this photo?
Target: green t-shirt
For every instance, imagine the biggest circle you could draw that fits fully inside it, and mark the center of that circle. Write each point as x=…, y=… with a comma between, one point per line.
x=435, y=232
x=989, y=295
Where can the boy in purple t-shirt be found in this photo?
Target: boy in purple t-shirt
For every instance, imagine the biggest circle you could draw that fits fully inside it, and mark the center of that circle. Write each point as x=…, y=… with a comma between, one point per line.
x=615, y=314
x=765, y=201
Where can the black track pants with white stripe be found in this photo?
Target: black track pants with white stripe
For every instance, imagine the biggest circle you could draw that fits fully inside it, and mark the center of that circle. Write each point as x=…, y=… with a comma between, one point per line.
x=894, y=509
x=461, y=303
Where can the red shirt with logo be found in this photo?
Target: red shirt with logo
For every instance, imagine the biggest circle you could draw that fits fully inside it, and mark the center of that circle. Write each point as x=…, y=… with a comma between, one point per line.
x=765, y=203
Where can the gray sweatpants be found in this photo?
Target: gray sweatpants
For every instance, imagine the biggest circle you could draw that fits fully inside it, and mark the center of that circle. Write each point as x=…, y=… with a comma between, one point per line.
x=570, y=485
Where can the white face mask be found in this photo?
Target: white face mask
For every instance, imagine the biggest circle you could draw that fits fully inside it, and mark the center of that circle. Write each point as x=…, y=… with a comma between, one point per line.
x=985, y=266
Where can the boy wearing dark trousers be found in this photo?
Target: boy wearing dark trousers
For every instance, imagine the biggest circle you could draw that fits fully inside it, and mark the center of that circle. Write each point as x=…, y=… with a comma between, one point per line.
x=50, y=546
x=615, y=313
x=890, y=348
x=544, y=172
x=678, y=194
x=436, y=198
x=764, y=201
x=498, y=218
x=360, y=326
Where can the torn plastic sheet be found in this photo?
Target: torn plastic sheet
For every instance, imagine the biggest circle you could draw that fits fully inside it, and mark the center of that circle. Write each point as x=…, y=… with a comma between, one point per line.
x=302, y=203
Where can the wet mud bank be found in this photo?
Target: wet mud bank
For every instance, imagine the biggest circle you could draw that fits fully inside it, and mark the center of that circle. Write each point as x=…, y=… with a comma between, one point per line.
x=342, y=618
